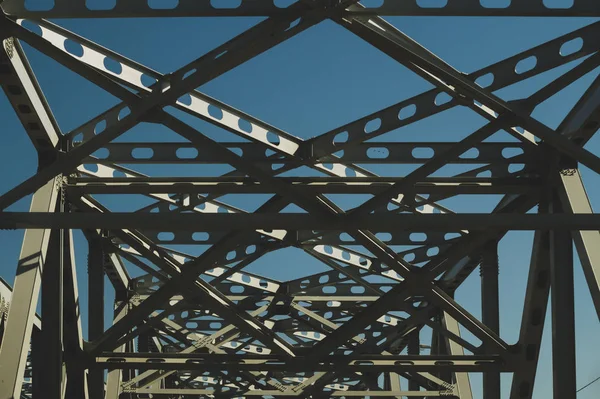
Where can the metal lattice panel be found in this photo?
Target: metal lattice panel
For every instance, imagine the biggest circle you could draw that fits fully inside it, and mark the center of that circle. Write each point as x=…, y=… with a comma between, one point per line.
x=203, y=324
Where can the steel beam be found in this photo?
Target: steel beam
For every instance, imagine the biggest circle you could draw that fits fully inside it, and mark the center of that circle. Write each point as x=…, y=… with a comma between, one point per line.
x=583, y=120
x=28, y=101
x=52, y=304
x=170, y=361
x=207, y=8
x=462, y=382
x=114, y=377
x=563, y=311
x=574, y=199
x=37, y=364
x=382, y=152
x=299, y=221
x=95, y=309
x=413, y=348
x=6, y=299
x=436, y=186
x=534, y=315
x=77, y=381
x=163, y=392
x=15, y=344
x=490, y=304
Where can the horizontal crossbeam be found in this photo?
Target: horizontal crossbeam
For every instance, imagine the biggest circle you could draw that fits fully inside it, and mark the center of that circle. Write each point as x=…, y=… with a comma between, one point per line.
x=241, y=8
x=298, y=221
x=241, y=185
x=187, y=361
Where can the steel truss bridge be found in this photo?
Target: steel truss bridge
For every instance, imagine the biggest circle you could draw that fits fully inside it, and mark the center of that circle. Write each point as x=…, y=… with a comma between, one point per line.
x=203, y=326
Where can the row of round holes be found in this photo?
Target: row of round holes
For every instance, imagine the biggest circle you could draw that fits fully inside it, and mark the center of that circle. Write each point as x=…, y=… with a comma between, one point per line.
x=101, y=125
x=104, y=5
x=144, y=153
x=305, y=283
x=115, y=67
x=244, y=125
x=428, y=153
x=148, y=153
x=238, y=289
x=213, y=325
x=93, y=168
x=384, y=236
x=77, y=50
x=246, y=279
x=405, y=113
x=525, y=65
x=512, y=168
x=493, y=4
x=352, y=173
x=409, y=257
x=165, y=236
x=23, y=108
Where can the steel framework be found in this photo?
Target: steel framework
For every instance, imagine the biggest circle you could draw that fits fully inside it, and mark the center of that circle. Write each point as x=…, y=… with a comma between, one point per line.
x=203, y=326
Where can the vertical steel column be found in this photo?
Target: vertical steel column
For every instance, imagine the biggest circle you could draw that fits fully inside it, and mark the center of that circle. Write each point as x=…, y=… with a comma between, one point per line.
x=563, y=310
x=413, y=346
x=461, y=380
x=439, y=347
x=113, y=383
x=19, y=324
x=77, y=386
x=534, y=314
x=394, y=383
x=37, y=364
x=490, y=309
x=95, y=310
x=52, y=319
x=575, y=199
x=127, y=375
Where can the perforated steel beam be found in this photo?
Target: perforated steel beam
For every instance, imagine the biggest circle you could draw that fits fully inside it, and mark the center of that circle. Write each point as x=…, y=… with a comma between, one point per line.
x=207, y=8
x=28, y=101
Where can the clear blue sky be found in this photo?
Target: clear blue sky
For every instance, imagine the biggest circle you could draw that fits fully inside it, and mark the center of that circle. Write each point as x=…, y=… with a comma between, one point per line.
x=321, y=79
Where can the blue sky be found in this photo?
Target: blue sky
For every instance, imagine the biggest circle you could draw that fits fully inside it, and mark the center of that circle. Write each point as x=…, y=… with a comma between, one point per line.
x=321, y=79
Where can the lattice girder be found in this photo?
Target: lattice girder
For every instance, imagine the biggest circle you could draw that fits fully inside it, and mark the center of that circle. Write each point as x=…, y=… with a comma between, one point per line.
x=206, y=322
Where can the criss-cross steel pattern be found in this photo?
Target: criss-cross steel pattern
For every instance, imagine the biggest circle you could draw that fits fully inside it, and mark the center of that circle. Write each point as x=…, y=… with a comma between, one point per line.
x=201, y=325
